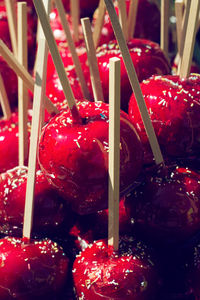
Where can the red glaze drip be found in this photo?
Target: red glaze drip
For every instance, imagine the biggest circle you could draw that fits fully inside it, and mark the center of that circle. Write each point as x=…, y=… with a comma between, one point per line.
x=31, y=270
x=167, y=209
x=101, y=273
x=74, y=156
x=174, y=108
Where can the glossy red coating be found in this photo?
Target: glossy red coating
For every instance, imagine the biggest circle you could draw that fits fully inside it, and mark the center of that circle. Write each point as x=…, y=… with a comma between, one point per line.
x=49, y=209
x=74, y=157
x=9, y=142
x=147, y=57
x=35, y=270
x=174, y=107
x=101, y=273
x=4, y=30
x=55, y=92
x=167, y=208
x=147, y=22
x=86, y=7
x=10, y=81
x=92, y=227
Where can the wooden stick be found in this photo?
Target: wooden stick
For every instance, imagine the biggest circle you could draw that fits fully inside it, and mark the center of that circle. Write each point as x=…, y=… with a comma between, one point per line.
x=75, y=14
x=123, y=17
x=39, y=92
x=12, y=23
x=134, y=83
x=132, y=16
x=99, y=23
x=183, y=32
x=164, y=29
x=190, y=39
x=4, y=100
x=179, y=6
x=57, y=60
x=72, y=48
x=114, y=152
x=23, y=73
x=92, y=60
x=22, y=89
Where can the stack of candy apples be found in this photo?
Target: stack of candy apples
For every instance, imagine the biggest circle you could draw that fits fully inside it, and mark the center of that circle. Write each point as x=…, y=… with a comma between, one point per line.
x=99, y=144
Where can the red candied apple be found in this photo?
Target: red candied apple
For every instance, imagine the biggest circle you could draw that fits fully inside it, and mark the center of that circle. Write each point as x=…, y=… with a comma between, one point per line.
x=66, y=58
x=54, y=90
x=147, y=57
x=147, y=22
x=9, y=142
x=87, y=7
x=58, y=31
x=35, y=270
x=74, y=157
x=174, y=109
x=49, y=209
x=99, y=272
x=167, y=208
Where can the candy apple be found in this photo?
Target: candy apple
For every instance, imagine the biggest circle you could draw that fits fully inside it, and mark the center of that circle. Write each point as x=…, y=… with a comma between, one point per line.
x=147, y=57
x=55, y=92
x=35, y=270
x=166, y=208
x=173, y=105
x=9, y=142
x=50, y=211
x=147, y=22
x=99, y=272
x=74, y=157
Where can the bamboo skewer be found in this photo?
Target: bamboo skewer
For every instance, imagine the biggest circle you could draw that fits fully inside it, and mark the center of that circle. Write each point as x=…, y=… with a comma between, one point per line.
x=93, y=64
x=57, y=60
x=164, y=29
x=24, y=74
x=132, y=16
x=75, y=14
x=22, y=89
x=190, y=39
x=99, y=23
x=123, y=17
x=72, y=48
x=39, y=92
x=114, y=152
x=37, y=120
x=179, y=6
x=4, y=100
x=183, y=32
x=12, y=23
x=134, y=83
